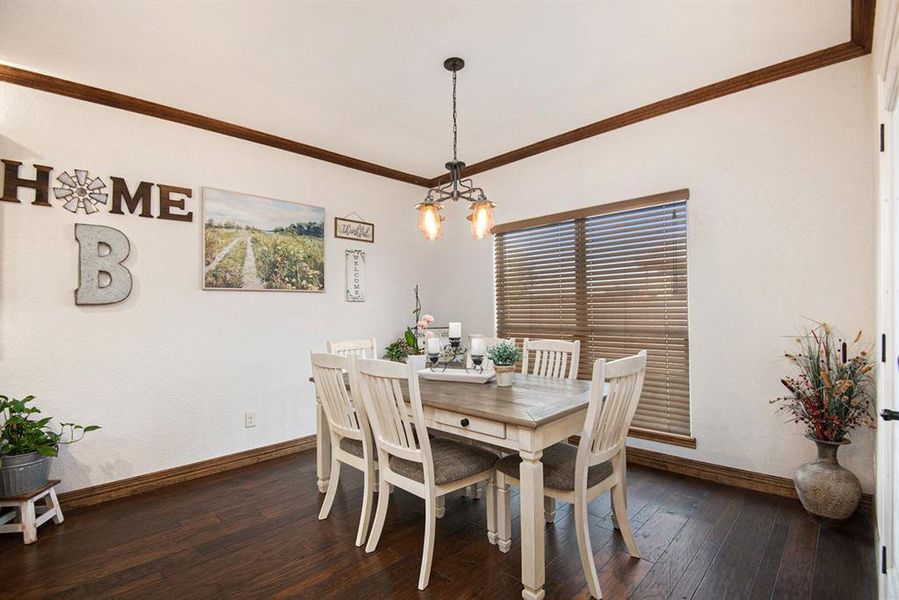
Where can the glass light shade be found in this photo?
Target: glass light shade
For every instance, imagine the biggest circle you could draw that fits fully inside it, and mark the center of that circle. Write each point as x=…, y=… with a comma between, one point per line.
x=429, y=220
x=481, y=218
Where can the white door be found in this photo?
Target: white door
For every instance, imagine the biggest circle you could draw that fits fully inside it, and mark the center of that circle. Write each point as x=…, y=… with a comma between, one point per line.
x=887, y=70
x=888, y=391
x=888, y=316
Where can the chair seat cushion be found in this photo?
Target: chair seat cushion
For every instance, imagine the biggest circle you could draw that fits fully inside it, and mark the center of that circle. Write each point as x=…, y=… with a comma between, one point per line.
x=352, y=446
x=558, y=467
x=452, y=461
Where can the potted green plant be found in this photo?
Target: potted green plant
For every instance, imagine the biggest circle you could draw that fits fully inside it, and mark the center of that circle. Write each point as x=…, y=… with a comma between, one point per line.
x=830, y=396
x=504, y=356
x=27, y=443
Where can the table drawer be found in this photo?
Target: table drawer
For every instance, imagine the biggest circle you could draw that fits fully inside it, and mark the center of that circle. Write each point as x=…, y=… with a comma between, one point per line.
x=465, y=422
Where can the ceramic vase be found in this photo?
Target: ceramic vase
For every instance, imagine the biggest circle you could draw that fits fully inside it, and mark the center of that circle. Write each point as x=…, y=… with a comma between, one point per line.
x=828, y=491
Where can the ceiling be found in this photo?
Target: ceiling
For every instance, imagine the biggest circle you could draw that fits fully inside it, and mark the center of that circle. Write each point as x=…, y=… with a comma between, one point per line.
x=366, y=79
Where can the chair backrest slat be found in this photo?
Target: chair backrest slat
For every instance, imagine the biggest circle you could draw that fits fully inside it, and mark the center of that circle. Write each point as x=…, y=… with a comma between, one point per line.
x=361, y=348
x=397, y=430
x=608, y=419
x=344, y=417
x=552, y=358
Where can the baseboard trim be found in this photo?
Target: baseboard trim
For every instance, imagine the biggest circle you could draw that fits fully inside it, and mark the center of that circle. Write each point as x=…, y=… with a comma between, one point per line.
x=151, y=481
x=732, y=476
x=750, y=480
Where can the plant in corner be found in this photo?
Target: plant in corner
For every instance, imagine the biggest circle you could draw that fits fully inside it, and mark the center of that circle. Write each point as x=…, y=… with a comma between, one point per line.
x=504, y=356
x=27, y=443
x=830, y=397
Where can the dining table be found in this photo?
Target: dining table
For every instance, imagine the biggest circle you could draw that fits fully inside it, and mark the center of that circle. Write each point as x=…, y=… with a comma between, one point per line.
x=531, y=415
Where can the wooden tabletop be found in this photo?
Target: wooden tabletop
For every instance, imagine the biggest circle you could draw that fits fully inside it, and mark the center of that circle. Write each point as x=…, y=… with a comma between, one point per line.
x=531, y=401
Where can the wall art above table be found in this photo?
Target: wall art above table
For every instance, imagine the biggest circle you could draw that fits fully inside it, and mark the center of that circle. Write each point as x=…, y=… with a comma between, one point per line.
x=256, y=243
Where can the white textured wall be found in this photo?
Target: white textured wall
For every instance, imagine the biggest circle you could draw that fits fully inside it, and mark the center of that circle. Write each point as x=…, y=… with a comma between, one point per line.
x=169, y=372
x=781, y=226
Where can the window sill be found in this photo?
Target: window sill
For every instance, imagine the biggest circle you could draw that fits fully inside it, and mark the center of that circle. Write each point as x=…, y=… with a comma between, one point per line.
x=663, y=438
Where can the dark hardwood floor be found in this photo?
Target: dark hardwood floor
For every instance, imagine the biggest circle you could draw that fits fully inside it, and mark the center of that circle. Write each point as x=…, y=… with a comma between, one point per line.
x=254, y=533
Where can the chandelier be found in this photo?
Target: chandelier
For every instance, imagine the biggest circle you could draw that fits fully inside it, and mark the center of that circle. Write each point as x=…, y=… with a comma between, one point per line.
x=430, y=221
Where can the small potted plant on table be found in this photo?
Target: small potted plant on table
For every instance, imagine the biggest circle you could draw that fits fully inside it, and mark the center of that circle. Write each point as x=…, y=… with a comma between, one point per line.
x=830, y=397
x=27, y=443
x=504, y=356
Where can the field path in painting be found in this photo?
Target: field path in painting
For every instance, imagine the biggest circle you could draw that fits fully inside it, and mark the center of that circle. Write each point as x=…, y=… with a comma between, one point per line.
x=223, y=253
x=250, y=277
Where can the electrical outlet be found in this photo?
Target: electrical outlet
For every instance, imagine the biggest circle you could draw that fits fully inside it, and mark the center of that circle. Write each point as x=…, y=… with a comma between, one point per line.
x=249, y=419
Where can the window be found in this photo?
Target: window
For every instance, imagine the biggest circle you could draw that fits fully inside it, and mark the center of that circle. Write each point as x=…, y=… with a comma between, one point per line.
x=615, y=278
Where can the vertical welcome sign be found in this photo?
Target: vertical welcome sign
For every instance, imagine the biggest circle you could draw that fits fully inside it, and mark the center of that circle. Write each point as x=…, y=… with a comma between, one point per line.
x=355, y=276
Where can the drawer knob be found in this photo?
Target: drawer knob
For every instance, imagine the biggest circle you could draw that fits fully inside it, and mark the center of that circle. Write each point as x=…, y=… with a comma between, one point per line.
x=464, y=422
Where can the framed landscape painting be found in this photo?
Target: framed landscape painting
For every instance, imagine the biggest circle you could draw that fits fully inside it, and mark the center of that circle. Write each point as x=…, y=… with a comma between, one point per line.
x=256, y=243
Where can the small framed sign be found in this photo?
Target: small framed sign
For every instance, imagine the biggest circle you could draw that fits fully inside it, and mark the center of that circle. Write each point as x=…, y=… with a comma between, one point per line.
x=358, y=231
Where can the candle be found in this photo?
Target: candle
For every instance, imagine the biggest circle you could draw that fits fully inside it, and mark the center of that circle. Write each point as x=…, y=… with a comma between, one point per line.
x=455, y=330
x=433, y=345
x=477, y=346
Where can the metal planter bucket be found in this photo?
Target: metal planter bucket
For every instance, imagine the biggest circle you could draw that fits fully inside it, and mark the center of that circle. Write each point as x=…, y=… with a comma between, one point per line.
x=22, y=473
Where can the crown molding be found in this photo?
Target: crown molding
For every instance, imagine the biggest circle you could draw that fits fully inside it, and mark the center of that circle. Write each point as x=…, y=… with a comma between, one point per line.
x=862, y=28
x=80, y=91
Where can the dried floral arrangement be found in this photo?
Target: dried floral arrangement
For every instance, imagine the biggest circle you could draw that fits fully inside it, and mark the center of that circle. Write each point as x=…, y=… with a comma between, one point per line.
x=830, y=394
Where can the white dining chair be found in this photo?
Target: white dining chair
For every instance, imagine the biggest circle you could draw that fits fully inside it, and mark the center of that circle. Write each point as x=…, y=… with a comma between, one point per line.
x=408, y=459
x=489, y=341
x=351, y=439
x=552, y=358
x=558, y=359
x=361, y=348
x=580, y=474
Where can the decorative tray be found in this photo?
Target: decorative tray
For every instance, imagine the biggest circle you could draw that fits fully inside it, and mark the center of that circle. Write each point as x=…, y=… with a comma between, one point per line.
x=457, y=375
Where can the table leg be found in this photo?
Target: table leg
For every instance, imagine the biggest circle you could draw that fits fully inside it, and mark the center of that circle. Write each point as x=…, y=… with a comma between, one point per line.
x=533, y=564
x=322, y=448
x=549, y=509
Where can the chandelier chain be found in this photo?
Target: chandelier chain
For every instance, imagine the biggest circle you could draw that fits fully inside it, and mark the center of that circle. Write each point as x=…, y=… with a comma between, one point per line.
x=455, y=129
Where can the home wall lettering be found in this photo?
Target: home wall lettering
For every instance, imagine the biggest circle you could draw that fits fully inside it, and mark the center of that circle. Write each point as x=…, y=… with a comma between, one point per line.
x=102, y=278
x=79, y=191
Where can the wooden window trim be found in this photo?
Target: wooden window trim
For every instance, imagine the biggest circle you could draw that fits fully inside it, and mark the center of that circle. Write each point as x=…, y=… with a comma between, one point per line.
x=592, y=211
x=663, y=438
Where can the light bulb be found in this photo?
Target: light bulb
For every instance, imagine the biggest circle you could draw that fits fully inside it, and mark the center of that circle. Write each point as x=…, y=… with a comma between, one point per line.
x=429, y=220
x=481, y=218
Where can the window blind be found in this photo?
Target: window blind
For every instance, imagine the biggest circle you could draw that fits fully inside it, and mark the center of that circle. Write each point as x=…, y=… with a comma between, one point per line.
x=613, y=277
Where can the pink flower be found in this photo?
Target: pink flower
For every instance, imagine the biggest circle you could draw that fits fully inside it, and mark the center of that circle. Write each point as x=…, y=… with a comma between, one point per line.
x=422, y=324
x=429, y=334
x=427, y=319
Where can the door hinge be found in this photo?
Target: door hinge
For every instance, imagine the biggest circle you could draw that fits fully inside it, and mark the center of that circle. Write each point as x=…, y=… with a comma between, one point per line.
x=882, y=142
x=883, y=560
x=883, y=347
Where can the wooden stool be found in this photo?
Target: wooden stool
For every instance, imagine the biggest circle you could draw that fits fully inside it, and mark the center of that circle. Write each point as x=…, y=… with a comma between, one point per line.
x=30, y=516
